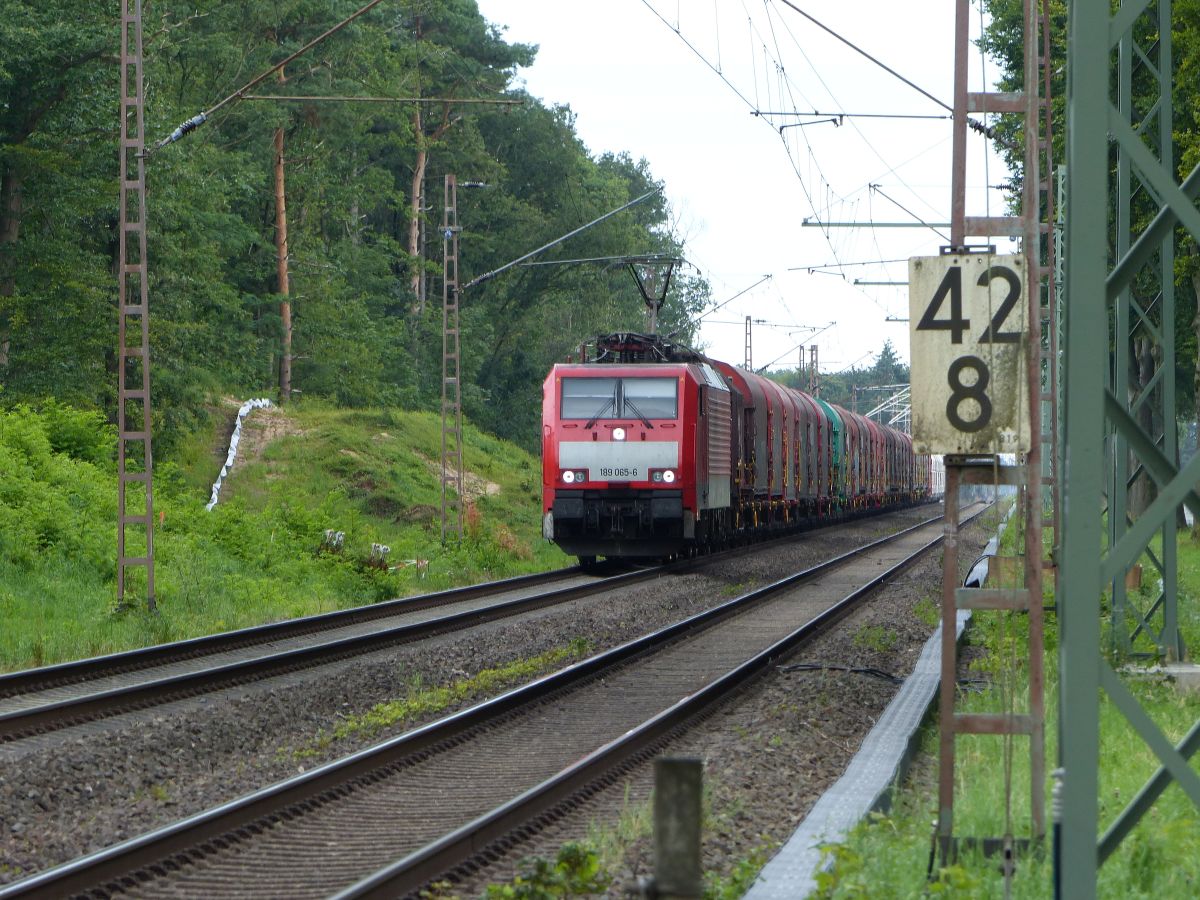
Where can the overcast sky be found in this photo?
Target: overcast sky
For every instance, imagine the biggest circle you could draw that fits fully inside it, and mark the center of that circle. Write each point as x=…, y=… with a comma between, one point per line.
x=740, y=190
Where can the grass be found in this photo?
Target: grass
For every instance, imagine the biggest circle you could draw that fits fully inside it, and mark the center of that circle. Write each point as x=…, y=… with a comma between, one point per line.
x=615, y=844
x=887, y=856
x=422, y=701
x=875, y=637
x=257, y=556
x=587, y=867
x=927, y=612
x=1146, y=593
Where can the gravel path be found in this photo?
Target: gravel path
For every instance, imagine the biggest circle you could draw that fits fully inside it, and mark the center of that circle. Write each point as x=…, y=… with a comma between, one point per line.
x=115, y=779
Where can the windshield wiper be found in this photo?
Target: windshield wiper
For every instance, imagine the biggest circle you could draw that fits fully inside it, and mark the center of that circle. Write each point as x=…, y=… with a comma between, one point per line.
x=629, y=403
x=596, y=418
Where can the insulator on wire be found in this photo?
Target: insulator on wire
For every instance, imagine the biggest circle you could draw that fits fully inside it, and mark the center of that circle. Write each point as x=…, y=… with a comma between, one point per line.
x=190, y=125
x=1056, y=796
x=988, y=131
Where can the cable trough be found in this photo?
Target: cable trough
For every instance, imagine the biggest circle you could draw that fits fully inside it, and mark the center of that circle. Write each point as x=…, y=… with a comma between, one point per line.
x=384, y=821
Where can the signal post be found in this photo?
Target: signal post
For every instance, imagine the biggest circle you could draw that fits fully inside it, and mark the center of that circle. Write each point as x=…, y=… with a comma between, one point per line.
x=982, y=377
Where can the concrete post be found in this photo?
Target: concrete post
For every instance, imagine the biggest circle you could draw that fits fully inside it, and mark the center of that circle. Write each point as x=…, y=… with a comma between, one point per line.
x=677, y=812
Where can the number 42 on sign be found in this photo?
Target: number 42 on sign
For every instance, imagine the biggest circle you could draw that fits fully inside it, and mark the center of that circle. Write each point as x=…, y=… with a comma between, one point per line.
x=969, y=341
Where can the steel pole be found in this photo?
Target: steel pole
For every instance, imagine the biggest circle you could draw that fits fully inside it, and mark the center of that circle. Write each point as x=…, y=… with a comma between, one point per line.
x=1086, y=330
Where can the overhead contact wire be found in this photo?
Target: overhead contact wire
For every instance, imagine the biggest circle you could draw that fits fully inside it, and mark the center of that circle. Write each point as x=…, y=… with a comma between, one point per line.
x=877, y=189
x=698, y=54
x=196, y=121
x=746, y=100
x=892, y=170
x=862, y=52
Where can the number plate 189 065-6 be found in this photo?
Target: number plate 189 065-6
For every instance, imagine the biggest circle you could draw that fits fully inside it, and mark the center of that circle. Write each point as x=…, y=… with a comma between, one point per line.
x=969, y=339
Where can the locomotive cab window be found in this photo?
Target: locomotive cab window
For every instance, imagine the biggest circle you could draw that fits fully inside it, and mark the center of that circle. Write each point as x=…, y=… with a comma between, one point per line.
x=619, y=398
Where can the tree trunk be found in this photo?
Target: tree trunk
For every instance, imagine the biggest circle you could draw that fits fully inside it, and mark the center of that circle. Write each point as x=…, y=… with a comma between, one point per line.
x=10, y=229
x=414, y=220
x=416, y=263
x=281, y=268
x=281, y=262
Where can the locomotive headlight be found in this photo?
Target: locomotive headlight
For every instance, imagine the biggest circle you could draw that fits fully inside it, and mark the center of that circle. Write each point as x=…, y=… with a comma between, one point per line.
x=581, y=475
x=656, y=476
x=568, y=476
x=668, y=476
x=618, y=434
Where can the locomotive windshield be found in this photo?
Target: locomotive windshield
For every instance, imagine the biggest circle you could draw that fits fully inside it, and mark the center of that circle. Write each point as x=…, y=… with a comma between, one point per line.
x=619, y=398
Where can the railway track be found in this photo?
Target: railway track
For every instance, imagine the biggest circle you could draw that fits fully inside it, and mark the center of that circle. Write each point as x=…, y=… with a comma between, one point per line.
x=37, y=701
x=386, y=820
x=41, y=701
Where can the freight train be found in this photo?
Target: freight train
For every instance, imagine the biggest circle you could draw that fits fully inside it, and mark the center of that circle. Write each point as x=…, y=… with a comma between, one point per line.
x=652, y=449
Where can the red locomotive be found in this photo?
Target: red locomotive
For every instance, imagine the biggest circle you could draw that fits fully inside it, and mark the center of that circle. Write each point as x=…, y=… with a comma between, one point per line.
x=653, y=449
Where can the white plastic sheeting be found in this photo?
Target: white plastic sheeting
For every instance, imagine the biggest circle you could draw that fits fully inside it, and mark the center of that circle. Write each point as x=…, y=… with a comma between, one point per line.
x=260, y=403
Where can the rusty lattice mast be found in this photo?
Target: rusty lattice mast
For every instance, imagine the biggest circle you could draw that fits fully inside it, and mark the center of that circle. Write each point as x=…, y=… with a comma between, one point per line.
x=135, y=460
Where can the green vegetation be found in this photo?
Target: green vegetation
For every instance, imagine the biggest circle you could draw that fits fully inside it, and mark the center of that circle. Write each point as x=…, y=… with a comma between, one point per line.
x=856, y=389
x=875, y=637
x=740, y=877
x=626, y=842
x=1144, y=594
x=364, y=190
x=422, y=701
x=575, y=872
x=1188, y=573
x=622, y=845
x=257, y=556
x=887, y=856
x=613, y=842
x=927, y=612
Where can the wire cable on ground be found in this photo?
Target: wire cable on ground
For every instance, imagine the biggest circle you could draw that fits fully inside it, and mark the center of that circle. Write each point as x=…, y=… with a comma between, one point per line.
x=856, y=670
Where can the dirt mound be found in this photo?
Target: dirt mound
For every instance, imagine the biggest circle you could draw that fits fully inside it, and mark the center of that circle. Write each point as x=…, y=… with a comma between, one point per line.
x=474, y=486
x=259, y=429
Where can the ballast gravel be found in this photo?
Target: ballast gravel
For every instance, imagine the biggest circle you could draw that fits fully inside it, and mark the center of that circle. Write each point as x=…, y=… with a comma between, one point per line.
x=768, y=753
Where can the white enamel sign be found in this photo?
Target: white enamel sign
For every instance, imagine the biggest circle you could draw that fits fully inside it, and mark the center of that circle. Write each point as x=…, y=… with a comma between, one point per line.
x=969, y=339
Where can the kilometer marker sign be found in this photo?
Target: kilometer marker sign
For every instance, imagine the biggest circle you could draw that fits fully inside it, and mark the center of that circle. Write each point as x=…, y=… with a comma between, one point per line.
x=969, y=339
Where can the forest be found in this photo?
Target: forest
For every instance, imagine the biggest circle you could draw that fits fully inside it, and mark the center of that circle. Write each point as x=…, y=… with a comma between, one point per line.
x=1002, y=41
x=381, y=112
x=364, y=198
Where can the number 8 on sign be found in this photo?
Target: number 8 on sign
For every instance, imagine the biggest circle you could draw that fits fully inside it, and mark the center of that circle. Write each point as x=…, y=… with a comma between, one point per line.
x=960, y=392
x=969, y=381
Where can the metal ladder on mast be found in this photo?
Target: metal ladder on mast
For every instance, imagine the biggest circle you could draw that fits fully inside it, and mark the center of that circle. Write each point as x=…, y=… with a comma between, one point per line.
x=452, y=449
x=1032, y=478
x=135, y=460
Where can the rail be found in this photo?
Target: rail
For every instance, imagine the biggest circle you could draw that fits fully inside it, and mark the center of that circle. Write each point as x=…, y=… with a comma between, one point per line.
x=256, y=812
